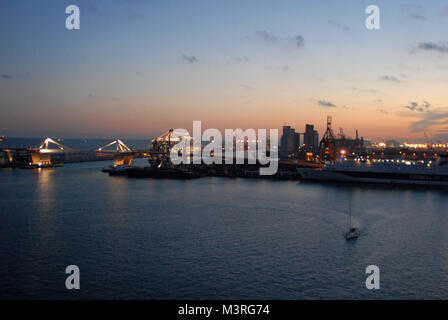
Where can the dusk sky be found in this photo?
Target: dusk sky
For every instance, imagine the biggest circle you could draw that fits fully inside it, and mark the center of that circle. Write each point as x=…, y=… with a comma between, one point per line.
x=137, y=68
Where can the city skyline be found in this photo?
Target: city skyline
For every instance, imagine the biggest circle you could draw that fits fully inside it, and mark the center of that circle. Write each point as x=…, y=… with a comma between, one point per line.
x=136, y=69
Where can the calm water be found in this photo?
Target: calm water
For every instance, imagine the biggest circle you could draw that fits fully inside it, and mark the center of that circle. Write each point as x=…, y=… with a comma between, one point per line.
x=215, y=238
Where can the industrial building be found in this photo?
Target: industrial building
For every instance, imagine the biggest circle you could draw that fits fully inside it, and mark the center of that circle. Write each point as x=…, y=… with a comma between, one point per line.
x=310, y=138
x=289, y=143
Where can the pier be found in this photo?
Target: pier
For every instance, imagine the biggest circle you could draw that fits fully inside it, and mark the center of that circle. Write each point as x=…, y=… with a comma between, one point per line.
x=52, y=153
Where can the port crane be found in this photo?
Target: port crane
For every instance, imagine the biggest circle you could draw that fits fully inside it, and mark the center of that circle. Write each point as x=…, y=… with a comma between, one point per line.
x=119, y=146
x=44, y=146
x=327, y=145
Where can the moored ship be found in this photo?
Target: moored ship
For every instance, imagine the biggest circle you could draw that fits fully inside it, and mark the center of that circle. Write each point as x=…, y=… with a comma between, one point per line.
x=120, y=170
x=150, y=172
x=160, y=173
x=388, y=172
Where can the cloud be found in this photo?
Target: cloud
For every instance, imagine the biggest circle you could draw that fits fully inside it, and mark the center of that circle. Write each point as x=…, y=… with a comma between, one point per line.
x=441, y=47
x=245, y=86
x=417, y=16
x=414, y=12
x=382, y=111
x=390, y=78
x=6, y=76
x=299, y=41
x=339, y=25
x=266, y=36
x=327, y=104
x=429, y=120
x=190, y=59
x=373, y=91
x=426, y=117
x=241, y=59
x=414, y=106
x=426, y=104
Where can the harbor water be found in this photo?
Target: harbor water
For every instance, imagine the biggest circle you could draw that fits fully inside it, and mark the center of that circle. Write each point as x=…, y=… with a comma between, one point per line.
x=215, y=238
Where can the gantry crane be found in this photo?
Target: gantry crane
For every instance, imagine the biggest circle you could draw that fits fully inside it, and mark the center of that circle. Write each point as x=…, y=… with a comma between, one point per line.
x=327, y=144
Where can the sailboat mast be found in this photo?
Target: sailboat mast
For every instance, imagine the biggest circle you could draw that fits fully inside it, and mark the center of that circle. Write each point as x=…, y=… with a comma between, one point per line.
x=350, y=211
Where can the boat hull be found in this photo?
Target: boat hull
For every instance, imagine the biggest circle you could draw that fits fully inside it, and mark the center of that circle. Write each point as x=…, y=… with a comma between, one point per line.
x=116, y=171
x=352, y=235
x=160, y=173
x=35, y=166
x=376, y=178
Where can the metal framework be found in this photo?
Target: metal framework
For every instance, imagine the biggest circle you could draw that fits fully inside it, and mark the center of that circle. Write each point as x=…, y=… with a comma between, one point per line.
x=162, y=146
x=327, y=144
x=165, y=142
x=45, y=144
x=119, y=146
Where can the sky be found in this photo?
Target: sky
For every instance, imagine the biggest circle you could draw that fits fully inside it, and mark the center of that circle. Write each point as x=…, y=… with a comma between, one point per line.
x=137, y=68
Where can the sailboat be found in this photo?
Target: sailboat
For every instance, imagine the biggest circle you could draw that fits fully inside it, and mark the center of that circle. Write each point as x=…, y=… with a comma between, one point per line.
x=353, y=232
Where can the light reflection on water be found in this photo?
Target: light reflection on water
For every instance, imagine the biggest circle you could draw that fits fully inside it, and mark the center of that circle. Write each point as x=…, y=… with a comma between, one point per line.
x=215, y=237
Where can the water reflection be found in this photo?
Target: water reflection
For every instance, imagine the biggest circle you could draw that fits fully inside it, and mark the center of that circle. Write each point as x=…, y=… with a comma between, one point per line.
x=218, y=238
x=45, y=191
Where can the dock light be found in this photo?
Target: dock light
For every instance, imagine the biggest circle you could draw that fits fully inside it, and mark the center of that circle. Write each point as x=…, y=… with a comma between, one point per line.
x=343, y=151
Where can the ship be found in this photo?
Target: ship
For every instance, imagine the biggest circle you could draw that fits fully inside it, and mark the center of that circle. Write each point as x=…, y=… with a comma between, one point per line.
x=397, y=171
x=120, y=170
x=160, y=173
x=150, y=172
